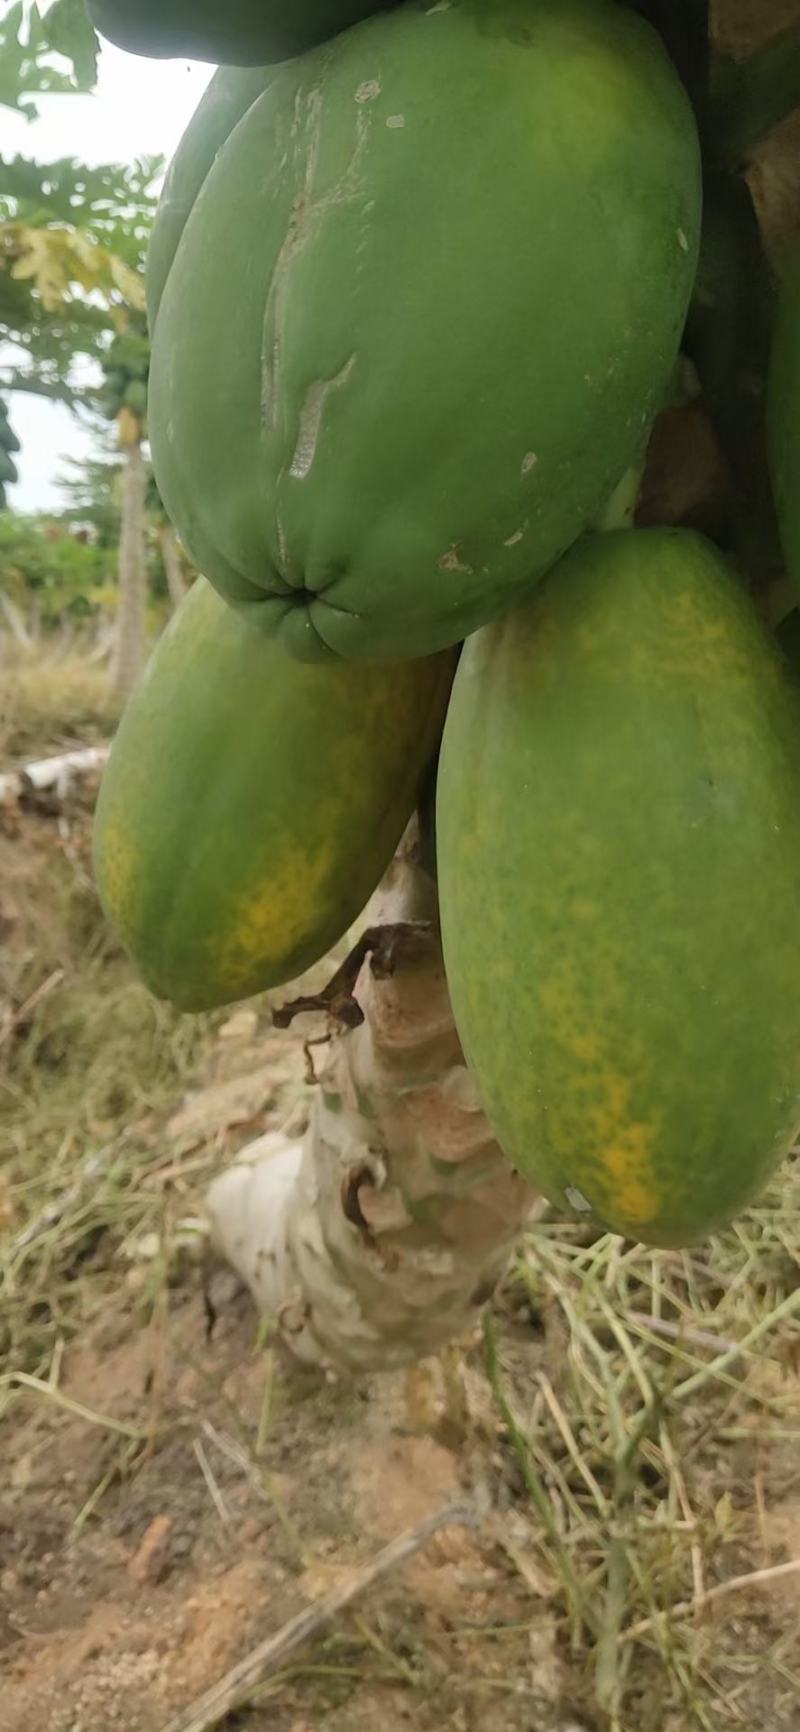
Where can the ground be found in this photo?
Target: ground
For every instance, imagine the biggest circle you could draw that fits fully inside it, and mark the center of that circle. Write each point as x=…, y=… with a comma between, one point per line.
x=173, y=1490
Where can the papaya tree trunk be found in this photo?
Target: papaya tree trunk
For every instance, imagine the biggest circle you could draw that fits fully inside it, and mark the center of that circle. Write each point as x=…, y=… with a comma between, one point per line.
x=377, y=1238
x=171, y=561
x=130, y=645
x=15, y=622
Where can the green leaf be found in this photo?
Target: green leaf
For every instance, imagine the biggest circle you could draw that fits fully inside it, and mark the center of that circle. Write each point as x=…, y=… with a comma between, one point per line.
x=29, y=42
x=67, y=31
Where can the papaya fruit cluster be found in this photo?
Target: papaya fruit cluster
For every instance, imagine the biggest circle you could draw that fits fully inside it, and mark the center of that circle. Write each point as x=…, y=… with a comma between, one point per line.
x=425, y=288
x=125, y=375
x=9, y=445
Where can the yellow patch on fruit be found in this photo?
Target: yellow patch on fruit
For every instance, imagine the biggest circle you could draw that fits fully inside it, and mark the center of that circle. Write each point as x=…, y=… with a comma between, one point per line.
x=119, y=870
x=623, y=1148
x=627, y=1162
x=273, y=920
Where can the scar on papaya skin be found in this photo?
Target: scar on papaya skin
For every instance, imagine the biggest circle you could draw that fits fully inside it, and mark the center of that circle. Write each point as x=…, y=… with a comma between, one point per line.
x=307, y=213
x=310, y=420
x=451, y=562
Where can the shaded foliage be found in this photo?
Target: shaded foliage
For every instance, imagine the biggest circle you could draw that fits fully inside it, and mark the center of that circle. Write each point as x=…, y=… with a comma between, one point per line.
x=34, y=46
x=49, y=568
x=72, y=236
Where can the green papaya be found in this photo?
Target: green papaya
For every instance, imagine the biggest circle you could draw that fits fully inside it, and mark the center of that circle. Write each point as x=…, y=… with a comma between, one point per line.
x=420, y=315
x=250, y=806
x=226, y=99
x=783, y=412
x=618, y=835
x=238, y=33
x=8, y=438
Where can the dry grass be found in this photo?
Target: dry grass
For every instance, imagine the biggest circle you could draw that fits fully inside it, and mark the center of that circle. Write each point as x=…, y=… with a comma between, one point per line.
x=655, y=1446
x=43, y=683
x=86, y=1067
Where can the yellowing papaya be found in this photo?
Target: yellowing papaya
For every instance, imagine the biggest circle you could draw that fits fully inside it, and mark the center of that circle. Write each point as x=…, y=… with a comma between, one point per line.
x=250, y=805
x=236, y=32
x=618, y=835
x=420, y=314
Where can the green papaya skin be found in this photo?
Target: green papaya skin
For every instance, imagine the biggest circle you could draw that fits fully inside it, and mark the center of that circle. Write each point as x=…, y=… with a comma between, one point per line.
x=233, y=32
x=226, y=99
x=250, y=805
x=421, y=315
x=783, y=411
x=618, y=834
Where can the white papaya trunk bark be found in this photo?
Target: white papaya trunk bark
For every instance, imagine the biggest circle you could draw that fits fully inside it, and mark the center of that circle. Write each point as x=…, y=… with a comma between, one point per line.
x=129, y=654
x=378, y=1237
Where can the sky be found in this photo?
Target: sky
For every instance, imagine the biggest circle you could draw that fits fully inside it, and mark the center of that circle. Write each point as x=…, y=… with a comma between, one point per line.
x=139, y=108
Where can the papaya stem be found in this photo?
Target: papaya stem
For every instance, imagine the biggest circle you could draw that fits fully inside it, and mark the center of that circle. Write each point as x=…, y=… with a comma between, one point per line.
x=619, y=511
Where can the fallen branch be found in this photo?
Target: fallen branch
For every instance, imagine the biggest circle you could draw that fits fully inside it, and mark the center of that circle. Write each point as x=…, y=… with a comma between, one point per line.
x=54, y=773
x=238, y=1686
x=15, y=1017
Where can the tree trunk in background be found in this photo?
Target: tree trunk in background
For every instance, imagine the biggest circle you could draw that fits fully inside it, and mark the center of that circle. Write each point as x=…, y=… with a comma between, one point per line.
x=376, y=1239
x=171, y=561
x=129, y=653
x=15, y=622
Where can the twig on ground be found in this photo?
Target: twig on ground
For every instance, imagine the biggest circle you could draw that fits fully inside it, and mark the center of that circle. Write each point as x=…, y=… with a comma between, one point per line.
x=736, y=1585
x=238, y=1685
x=681, y=1332
x=213, y=1489
x=42, y=991
x=24, y=1380
x=789, y=1307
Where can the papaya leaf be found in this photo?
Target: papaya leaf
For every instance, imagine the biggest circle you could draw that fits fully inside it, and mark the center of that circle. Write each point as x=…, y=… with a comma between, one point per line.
x=69, y=32
x=32, y=43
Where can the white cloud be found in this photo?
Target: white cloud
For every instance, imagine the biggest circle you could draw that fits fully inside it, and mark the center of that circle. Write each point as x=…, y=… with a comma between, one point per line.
x=140, y=108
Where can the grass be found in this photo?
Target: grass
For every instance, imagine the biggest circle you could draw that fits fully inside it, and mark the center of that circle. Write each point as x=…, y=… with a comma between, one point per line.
x=39, y=684
x=640, y=1446
x=88, y=1061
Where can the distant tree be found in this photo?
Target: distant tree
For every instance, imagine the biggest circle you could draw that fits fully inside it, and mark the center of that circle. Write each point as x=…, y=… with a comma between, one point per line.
x=9, y=444
x=67, y=232
x=45, y=52
x=72, y=243
x=50, y=573
x=91, y=488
